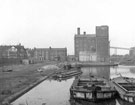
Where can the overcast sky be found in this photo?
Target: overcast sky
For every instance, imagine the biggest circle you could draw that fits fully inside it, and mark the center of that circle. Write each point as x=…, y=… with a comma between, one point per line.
x=44, y=23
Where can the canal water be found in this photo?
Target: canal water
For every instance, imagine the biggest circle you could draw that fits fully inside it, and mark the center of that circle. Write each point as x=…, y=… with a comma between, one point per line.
x=54, y=92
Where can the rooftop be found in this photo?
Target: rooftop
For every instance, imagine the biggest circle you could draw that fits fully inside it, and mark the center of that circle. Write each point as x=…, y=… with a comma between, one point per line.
x=86, y=35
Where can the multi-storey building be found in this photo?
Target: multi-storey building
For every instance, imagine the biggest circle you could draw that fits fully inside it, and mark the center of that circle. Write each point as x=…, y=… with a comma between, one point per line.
x=10, y=54
x=92, y=47
x=57, y=54
x=132, y=51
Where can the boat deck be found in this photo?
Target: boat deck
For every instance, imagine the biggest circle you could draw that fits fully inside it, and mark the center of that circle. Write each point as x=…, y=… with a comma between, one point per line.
x=92, y=89
x=125, y=87
x=126, y=84
x=83, y=84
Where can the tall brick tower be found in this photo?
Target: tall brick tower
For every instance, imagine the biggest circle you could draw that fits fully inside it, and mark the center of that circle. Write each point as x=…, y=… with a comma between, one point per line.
x=102, y=43
x=85, y=46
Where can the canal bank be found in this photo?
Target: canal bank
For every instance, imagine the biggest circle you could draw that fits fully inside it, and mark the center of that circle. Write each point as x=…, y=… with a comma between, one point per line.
x=54, y=92
x=21, y=79
x=97, y=64
x=13, y=97
x=90, y=64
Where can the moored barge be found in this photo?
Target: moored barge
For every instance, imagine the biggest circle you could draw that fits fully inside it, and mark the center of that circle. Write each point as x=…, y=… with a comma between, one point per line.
x=125, y=87
x=66, y=74
x=92, y=89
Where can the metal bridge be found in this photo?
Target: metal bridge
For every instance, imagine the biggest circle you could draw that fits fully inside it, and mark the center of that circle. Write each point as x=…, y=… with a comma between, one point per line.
x=121, y=48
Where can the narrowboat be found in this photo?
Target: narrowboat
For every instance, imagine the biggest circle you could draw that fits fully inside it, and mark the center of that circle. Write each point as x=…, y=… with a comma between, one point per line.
x=66, y=74
x=125, y=87
x=92, y=89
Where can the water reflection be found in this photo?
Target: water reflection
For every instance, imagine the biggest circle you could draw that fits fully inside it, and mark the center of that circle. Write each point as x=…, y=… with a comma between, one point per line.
x=121, y=102
x=49, y=92
x=117, y=101
x=56, y=92
x=107, y=102
x=82, y=102
x=103, y=72
x=122, y=70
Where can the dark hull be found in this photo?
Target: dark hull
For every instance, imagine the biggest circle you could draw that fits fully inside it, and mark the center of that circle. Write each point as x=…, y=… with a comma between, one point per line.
x=86, y=102
x=125, y=88
x=90, y=96
x=67, y=74
x=99, y=91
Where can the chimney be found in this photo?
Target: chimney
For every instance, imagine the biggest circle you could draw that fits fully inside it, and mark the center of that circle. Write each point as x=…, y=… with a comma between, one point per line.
x=78, y=31
x=84, y=33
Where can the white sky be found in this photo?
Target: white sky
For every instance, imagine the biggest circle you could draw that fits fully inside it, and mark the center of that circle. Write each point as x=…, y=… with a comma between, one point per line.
x=44, y=23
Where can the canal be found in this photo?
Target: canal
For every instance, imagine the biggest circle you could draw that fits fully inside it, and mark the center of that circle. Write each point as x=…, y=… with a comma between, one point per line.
x=54, y=92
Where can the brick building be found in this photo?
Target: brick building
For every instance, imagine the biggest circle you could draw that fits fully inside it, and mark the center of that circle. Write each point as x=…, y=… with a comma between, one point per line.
x=51, y=54
x=92, y=47
x=12, y=54
x=132, y=52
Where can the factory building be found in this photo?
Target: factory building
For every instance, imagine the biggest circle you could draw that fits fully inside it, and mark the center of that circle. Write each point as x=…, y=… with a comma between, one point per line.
x=12, y=54
x=92, y=47
x=132, y=51
x=51, y=54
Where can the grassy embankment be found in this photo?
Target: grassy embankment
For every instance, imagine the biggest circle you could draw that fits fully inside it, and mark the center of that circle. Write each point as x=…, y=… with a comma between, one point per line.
x=21, y=77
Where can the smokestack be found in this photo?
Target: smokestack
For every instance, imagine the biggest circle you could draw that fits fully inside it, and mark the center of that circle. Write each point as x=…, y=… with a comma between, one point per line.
x=78, y=31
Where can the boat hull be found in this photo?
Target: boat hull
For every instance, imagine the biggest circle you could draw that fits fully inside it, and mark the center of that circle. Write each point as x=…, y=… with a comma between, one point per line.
x=91, y=95
x=92, y=89
x=67, y=74
x=127, y=98
x=125, y=89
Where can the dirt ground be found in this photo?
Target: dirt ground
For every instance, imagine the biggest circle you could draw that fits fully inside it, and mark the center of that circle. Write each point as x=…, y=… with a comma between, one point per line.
x=21, y=76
